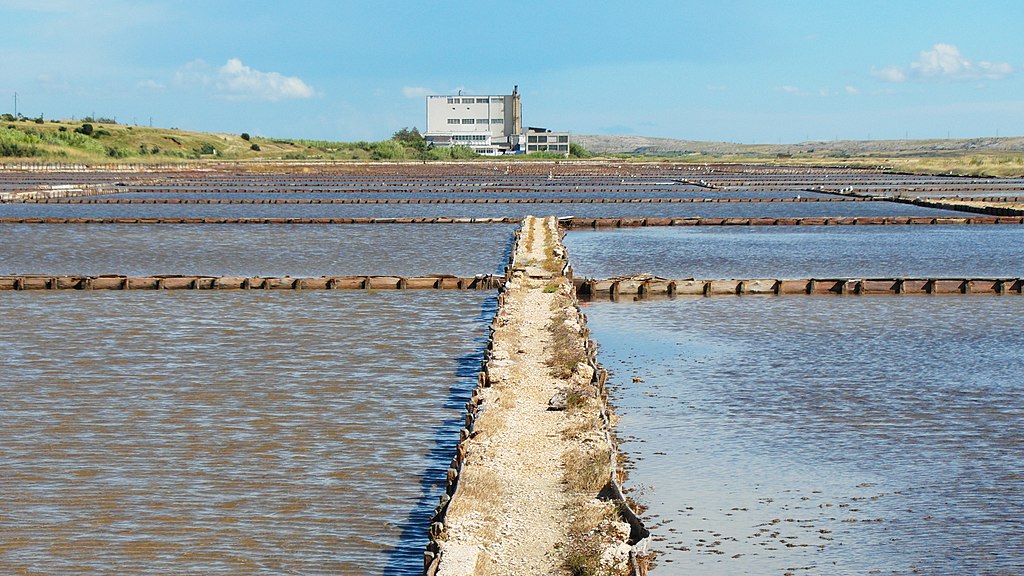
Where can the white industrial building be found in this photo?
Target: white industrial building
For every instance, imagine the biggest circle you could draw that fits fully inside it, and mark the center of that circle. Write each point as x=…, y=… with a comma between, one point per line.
x=489, y=125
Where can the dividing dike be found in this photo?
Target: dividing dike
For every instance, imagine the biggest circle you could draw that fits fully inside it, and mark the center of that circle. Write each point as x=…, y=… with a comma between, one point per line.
x=535, y=486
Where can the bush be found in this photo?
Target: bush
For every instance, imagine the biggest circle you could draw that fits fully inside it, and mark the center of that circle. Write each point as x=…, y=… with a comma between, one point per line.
x=255, y=147
x=245, y=136
x=578, y=151
x=86, y=129
x=17, y=150
x=206, y=149
x=389, y=150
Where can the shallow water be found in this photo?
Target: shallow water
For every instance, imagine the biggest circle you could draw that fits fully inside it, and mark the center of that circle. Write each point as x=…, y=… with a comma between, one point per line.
x=800, y=251
x=254, y=249
x=673, y=192
x=681, y=210
x=823, y=435
x=229, y=433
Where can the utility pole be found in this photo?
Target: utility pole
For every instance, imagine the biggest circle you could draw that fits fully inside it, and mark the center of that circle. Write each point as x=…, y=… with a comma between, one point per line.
x=15, y=105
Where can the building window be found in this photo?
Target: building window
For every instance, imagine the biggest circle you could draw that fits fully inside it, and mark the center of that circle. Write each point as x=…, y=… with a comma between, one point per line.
x=497, y=121
x=453, y=100
x=497, y=99
x=563, y=138
x=467, y=100
x=467, y=120
x=531, y=139
x=481, y=100
x=453, y=120
x=482, y=121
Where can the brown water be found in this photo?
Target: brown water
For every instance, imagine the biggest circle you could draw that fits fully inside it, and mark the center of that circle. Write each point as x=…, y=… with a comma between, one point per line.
x=254, y=249
x=684, y=210
x=823, y=435
x=229, y=433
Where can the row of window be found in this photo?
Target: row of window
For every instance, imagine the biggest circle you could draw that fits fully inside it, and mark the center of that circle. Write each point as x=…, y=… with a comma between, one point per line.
x=547, y=148
x=475, y=100
x=477, y=121
x=470, y=137
x=545, y=139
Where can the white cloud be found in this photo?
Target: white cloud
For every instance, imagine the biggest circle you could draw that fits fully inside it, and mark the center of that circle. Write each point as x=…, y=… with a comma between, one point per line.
x=945, y=62
x=791, y=90
x=236, y=81
x=416, y=91
x=852, y=90
x=150, y=85
x=890, y=74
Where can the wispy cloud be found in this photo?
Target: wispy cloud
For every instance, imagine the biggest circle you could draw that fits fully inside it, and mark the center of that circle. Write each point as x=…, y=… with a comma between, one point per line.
x=150, y=85
x=944, y=62
x=416, y=91
x=236, y=81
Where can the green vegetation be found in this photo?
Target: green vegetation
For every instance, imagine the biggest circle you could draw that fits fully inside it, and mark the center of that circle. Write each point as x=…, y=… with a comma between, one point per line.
x=102, y=140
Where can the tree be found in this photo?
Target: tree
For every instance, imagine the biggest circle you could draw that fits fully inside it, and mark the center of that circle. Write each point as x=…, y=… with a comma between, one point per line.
x=245, y=136
x=411, y=138
x=85, y=129
x=255, y=147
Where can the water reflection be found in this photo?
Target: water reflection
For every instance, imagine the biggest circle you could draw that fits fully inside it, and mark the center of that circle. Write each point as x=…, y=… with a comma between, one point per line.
x=229, y=433
x=823, y=435
x=800, y=251
x=254, y=249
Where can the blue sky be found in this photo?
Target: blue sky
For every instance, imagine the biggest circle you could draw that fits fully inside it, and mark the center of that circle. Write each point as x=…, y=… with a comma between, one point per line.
x=738, y=71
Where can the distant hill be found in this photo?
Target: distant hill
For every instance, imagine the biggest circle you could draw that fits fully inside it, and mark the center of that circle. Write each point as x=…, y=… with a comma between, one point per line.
x=619, y=144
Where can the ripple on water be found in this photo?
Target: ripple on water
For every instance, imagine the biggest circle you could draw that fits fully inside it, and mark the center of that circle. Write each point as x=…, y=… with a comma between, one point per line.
x=230, y=433
x=823, y=435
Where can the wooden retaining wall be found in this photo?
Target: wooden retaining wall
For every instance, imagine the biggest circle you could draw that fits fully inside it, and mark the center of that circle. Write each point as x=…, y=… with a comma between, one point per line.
x=430, y=220
x=530, y=200
x=583, y=223
x=167, y=282
x=644, y=287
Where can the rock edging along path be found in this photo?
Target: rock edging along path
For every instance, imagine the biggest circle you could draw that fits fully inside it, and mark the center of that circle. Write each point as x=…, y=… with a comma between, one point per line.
x=534, y=487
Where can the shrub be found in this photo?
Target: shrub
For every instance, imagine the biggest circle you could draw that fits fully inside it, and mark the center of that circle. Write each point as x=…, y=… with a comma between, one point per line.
x=206, y=149
x=245, y=136
x=389, y=150
x=86, y=129
x=578, y=151
x=255, y=147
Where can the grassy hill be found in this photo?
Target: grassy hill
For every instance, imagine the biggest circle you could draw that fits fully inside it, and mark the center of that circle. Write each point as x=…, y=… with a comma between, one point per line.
x=27, y=140
x=67, y=141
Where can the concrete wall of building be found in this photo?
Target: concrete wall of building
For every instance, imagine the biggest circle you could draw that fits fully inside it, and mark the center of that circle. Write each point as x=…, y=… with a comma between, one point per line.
x=498, y=116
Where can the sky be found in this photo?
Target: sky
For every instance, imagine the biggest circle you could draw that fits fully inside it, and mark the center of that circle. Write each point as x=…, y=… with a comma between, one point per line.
x=725, y=70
